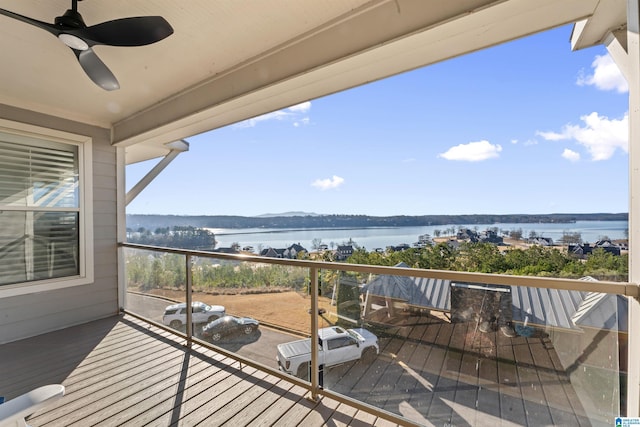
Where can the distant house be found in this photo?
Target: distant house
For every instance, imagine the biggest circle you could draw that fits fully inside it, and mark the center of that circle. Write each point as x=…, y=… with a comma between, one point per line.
x=272, y=253
x=490, y=236
x=467, y=235
x=585, y=249
x=542, y=241
x=343, y=252
x=424, y=240
x=399, y=248
x=472, y=236
x=292, y=252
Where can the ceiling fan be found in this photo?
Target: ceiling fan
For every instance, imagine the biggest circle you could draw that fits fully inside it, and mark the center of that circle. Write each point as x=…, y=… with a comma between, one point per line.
x=73, y=32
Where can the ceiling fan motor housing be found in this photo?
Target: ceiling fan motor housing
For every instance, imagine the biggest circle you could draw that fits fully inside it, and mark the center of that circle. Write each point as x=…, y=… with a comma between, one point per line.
x=70, y=19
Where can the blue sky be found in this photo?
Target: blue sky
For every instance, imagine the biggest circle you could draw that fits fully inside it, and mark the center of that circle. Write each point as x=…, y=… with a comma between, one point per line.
x=526, y=127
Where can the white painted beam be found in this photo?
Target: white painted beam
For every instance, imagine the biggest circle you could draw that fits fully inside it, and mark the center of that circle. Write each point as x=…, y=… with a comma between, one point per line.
x=633, y=78
x=175, y=148
x=378, y=42
x=616, y=44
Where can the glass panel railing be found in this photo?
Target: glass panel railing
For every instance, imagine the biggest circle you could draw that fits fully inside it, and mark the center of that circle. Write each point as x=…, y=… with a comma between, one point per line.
x=456, y=353
x=430, y=350
x=155, y=285
x=265, y=305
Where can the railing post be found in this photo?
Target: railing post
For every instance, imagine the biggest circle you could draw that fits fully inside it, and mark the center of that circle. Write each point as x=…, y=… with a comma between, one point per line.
x=633, y=73
x=313, y=276
x=189, y=278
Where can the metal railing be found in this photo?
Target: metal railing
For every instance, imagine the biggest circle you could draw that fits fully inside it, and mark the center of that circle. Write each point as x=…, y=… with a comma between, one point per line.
x=314, y=386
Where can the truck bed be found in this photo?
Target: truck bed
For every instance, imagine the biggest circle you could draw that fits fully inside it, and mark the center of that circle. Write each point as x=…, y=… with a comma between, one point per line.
x=295, y=348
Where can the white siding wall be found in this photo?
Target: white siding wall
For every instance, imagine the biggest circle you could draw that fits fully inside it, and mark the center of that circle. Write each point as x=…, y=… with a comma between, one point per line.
x=32, y=314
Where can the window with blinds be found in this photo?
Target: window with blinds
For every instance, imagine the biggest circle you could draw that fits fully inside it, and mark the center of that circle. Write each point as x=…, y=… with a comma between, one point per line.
x=39, y=210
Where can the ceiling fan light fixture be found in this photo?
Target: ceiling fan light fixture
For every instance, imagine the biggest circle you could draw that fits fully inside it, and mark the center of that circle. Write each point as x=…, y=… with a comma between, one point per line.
x=74, y=33
x=73, y=42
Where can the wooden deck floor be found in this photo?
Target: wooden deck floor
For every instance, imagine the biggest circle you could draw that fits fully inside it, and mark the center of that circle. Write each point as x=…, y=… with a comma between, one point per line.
x=441, y=373
x=119, y=371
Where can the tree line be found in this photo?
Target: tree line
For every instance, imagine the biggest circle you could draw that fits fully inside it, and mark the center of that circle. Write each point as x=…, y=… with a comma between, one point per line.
x=147, y=270
x=487, y=258
x=356, y=221
x=186, y=237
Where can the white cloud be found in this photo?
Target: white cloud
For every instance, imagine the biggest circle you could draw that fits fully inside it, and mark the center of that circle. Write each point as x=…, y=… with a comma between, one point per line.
x=600, y=135
x=571, y=155
x=606, y=75
x=302, y=122
x=300, y=108
x=328, y=183
x=276, y=115
x=472, y=152
x=294, y=114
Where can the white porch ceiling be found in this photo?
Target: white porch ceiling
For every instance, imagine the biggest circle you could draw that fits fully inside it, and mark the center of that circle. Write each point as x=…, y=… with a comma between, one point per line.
x=229, y=60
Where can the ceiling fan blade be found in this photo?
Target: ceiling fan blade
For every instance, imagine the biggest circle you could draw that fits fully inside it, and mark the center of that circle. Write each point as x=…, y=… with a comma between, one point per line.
x=44, y=25
x=135, y=31
x=96, y=70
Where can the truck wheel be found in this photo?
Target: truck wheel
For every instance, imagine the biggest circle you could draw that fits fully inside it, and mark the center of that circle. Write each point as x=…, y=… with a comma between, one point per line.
x=369, y=354
x=303, y=371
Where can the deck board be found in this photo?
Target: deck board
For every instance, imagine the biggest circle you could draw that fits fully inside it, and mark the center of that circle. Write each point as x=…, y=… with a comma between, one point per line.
x=280, y=408
x=506, y=376
x=445, y=386
x=531, y=387
x=227, y=412
x=467, y=386
x=161, y=398
x=122, y=371
x=258, y=406
x=149, y=400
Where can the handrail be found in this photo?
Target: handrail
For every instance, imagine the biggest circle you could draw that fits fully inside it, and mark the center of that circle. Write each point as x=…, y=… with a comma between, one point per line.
x=620, y=288
x=315, y=386
x=189, y=300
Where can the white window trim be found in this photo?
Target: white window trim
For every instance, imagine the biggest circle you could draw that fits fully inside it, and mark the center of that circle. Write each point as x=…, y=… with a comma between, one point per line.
x=85, y=192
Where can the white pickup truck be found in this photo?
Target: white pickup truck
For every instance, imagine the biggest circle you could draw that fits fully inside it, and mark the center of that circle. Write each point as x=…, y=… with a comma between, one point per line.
x=336, y=345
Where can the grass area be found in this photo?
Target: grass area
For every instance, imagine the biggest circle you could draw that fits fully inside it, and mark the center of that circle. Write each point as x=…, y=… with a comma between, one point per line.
x=288, y=310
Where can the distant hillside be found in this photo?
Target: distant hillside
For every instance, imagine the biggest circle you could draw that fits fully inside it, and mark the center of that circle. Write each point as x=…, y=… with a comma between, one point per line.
x=151, y=222
x=271, y=215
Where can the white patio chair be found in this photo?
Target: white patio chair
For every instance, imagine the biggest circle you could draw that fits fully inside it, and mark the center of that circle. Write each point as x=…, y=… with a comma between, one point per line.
x=14, y=411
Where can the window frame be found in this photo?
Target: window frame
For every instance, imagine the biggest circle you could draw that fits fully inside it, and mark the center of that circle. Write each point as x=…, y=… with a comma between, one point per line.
x=30, y=134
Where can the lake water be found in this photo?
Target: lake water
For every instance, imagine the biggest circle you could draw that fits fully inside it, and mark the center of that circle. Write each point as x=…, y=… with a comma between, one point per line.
x=372, y=238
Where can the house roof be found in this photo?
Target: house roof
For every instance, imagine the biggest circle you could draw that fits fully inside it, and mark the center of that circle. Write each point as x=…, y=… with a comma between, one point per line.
x=546, y=307
x=417, y=291
x=231, y=60
x=556, y=308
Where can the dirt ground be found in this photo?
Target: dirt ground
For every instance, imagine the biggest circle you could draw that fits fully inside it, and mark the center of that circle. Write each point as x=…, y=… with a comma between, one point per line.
x=288, y=310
